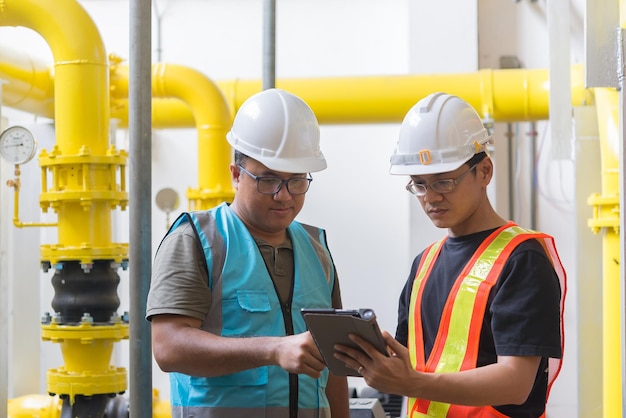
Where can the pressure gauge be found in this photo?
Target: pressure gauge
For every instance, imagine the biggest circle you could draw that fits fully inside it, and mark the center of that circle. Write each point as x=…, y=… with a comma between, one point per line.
x=17, y=145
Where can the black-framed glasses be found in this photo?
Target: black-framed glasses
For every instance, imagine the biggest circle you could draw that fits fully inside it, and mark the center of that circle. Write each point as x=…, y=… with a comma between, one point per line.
x=272, y=185
x=439, y=186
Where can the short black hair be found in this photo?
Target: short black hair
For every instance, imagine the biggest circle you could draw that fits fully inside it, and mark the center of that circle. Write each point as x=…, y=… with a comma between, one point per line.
x=240, y=158
x=476, y=158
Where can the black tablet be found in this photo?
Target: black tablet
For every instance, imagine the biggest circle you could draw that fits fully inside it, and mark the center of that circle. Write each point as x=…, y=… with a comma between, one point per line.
x=332, y=326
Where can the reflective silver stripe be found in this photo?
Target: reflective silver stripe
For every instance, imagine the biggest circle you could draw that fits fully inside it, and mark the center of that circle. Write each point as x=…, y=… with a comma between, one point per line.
x=270, y=412
x=209, y=232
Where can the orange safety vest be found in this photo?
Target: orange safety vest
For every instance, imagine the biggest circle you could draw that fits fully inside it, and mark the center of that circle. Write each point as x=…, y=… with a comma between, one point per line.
x=463, y=314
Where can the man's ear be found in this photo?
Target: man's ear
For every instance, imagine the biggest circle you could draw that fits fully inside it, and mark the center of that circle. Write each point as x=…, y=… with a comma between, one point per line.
x=485, y=170
x=234, y=175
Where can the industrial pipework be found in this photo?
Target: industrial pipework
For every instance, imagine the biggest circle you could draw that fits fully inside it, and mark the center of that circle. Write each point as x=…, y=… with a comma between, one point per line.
x=83, y=179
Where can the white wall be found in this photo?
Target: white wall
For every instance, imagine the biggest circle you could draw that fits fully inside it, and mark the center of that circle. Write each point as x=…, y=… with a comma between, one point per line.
x=374, y=227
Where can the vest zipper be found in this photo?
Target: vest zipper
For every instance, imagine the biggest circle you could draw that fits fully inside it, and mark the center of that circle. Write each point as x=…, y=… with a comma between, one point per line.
x=285, y=307
x=293, y=378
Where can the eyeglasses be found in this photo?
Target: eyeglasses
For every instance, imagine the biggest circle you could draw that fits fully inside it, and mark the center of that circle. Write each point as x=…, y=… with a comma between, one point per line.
x=439, y=186
x=272, y=185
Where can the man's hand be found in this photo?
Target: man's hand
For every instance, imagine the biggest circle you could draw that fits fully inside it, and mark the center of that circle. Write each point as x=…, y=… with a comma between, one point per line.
x=299, y=354
x=509, y=381
x=379, y=371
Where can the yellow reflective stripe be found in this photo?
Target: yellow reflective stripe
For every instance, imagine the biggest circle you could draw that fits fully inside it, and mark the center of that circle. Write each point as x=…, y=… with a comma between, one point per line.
x=421, y=273
x=454, y=352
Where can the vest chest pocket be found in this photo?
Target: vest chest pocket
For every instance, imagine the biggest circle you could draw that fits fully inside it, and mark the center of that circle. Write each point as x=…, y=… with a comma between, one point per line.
x=249, y=313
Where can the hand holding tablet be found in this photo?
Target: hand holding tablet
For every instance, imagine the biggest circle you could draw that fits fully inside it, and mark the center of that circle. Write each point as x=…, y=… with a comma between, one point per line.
x=332, y=326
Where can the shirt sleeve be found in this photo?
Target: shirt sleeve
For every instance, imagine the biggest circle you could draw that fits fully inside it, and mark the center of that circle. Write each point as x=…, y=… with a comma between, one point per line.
x=179, y=283
x=402, y=329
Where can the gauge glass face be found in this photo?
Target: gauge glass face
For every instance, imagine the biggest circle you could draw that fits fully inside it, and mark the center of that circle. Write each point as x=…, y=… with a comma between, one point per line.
x=17, y=145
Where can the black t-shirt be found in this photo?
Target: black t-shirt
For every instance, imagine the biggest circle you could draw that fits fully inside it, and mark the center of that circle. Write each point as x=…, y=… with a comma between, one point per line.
x=522, y=317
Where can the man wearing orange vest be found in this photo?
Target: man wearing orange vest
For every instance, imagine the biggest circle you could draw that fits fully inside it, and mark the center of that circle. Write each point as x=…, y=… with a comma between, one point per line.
x=480, y=330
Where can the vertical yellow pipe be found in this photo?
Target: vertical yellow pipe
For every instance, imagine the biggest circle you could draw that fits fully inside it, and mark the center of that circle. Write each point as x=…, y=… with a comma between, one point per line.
x=610, y=137
x=83, y=189
x=606, y=214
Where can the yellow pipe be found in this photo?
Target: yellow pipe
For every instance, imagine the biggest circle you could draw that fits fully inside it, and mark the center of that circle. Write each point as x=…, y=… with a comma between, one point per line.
x=81, y=113
x=45, y=406
x=166, y=113
x=30, y=82
x=502, y=95
x=16, y=183
x=80, y=68
x=83, y=188
x=337, y=100
x=606, y=219
x=212, y=120
x=40, y=406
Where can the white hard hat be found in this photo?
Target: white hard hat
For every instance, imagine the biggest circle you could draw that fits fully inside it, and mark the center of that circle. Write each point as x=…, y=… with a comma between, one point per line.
x=439, y=134
x=279, y=130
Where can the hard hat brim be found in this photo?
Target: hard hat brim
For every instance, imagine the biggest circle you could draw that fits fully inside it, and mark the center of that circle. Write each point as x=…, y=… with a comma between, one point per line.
x=295, y=165
x=426, y=169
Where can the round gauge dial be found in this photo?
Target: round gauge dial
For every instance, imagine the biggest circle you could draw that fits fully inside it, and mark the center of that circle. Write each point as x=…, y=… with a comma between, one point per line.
x=17, y=145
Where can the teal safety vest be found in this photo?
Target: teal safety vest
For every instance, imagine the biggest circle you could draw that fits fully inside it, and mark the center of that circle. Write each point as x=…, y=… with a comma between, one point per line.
x=245, y=304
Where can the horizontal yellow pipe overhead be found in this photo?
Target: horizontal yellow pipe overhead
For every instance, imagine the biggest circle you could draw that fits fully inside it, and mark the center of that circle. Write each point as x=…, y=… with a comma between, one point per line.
x=503, y=95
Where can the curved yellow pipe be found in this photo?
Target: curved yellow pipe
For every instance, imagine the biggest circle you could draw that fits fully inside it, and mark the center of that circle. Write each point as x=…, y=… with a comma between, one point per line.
x=80, y=68
x=81, y=101
x=212, y=121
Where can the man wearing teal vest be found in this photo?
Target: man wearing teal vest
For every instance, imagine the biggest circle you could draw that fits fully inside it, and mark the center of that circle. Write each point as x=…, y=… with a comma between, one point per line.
x=480, y=330
x=228, y=283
